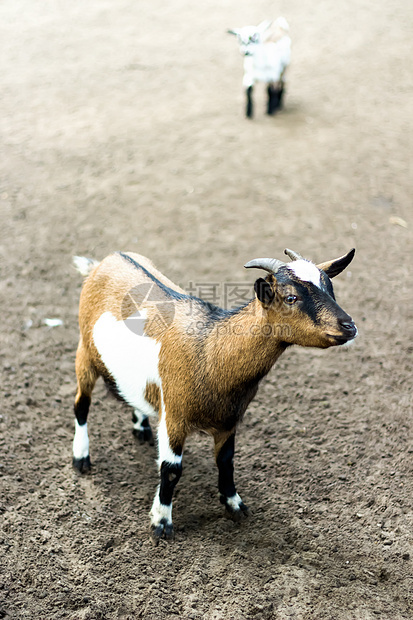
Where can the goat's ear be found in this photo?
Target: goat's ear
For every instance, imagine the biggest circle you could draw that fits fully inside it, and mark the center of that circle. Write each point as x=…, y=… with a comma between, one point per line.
x=264, y=291
x=333, y=267
x=263, y=26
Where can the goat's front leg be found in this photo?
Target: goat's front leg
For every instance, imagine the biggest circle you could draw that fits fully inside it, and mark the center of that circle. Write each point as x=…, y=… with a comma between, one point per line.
x=224, y=456
x=170, y=447
x=250, y=106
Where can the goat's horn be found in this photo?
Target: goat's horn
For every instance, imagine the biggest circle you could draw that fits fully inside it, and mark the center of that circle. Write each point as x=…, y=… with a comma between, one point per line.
x=268, y=264
x=293, y=255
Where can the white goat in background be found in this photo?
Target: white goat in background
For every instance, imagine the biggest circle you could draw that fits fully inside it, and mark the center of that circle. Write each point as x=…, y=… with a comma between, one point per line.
x=267, y=51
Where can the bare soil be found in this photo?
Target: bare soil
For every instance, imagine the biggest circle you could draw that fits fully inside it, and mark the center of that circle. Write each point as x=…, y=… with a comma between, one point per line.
x=123, y=129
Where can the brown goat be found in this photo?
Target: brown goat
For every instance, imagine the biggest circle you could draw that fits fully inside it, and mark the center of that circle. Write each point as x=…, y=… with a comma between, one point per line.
x=194, y=365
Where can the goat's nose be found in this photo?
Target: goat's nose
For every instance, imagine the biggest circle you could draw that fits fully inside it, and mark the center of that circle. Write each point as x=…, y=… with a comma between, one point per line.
x=349, y=327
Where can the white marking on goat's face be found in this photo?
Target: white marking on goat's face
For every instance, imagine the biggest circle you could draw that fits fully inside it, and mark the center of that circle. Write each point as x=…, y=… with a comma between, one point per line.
x=80, y=441
x=131, y=359
x=305, y=271
x=248, y=37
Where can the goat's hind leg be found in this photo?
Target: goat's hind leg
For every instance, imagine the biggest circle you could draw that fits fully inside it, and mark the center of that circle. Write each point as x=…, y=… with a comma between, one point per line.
x=272, y=105
x=224, y=456
x=273, y=100
x=275, y=97
x=279, y=97
x=86, y=379
x=141, y=427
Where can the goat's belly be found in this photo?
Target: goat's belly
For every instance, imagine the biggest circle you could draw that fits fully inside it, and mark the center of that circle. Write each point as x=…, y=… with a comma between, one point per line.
x=131, y=358
x=268, y=73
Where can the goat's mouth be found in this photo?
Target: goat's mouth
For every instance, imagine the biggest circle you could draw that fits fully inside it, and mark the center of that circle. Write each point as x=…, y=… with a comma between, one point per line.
x=344, y=338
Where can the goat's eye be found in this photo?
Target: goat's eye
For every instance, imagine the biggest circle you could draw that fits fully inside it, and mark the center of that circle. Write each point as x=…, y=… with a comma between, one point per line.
x=290, y=299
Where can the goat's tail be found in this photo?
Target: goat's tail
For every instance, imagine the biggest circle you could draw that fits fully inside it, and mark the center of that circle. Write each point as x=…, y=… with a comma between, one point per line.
x=84, y=265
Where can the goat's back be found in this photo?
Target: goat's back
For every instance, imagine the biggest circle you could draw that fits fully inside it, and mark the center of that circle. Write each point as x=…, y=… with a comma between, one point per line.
x=120, y=284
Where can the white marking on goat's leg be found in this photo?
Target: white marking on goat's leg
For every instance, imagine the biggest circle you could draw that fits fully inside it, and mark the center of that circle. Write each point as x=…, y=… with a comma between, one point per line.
x=80, y=441
x=81, y=458
x=165, y=452
x=161, y=514
x=170, y=466
x=234, y=502
x=141, y=427
x=225, y=462
x=86, y=379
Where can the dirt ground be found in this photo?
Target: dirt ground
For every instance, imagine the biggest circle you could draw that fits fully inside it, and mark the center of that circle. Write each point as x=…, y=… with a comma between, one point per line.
x=122, y=128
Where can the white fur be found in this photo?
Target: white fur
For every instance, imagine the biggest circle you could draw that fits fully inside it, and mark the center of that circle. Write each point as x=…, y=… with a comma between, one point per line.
x=349, y=343
x=234, y=502
x=165, y=453
x=140, y=418
x=306, y=271
x=282, y=23
x=160, y=511
x=84, y=265
x=80, y=441
x=268, y=62
x=266, y=51
x=131, y=359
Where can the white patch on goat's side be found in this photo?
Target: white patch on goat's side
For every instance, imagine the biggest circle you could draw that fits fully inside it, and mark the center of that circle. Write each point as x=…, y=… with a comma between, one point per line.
x=305, y=271
x=234, y=502
x=267, y=52
x=80, y=441
x=132, y=359
x=248, y=77
x=160, y=511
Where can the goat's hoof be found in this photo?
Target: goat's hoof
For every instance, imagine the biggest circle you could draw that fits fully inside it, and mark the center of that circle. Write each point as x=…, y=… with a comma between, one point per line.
x=162, y=530
x=144, y=435
x=82, y=465
x=239, y=514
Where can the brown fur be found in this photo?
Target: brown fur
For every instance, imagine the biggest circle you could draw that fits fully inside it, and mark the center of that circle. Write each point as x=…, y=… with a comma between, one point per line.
x=153, y=396
x=85, y=372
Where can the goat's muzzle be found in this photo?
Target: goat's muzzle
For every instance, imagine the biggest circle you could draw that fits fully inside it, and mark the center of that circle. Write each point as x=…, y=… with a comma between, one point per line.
x=348, y=332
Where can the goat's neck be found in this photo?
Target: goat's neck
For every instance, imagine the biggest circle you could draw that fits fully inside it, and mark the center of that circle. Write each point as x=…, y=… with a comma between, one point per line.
x=244, y=345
